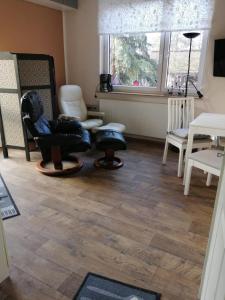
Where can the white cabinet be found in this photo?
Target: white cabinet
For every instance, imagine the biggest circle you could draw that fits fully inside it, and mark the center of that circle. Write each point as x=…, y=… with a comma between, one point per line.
x=4, y=268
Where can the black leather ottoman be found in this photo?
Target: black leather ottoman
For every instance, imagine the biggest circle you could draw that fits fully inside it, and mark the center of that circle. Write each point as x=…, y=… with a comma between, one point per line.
x=109, y=141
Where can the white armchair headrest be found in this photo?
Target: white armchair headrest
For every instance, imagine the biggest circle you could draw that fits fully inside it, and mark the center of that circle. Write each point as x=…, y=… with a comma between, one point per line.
x=71, y=102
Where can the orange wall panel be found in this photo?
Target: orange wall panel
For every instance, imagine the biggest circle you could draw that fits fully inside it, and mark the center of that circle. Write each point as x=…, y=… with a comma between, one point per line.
x=30, y=28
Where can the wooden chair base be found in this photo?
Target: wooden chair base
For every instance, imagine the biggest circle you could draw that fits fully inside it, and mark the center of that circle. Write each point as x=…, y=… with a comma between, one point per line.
x=108, y=164
x=109, y=161
x=58, y=169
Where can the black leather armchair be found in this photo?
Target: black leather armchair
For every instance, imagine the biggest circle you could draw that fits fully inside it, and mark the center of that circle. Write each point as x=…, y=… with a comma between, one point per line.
x=56, y=139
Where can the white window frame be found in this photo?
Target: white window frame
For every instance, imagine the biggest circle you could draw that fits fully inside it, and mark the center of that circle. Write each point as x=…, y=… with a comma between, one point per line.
x=164, y=54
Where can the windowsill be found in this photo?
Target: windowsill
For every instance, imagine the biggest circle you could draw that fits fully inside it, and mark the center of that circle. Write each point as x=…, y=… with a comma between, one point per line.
x=134, y=93
x=133, y=96
x=136, y=97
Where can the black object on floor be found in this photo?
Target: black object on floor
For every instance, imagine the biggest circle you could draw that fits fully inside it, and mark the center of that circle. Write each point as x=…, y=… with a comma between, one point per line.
x=96, y=287
x=8, y=208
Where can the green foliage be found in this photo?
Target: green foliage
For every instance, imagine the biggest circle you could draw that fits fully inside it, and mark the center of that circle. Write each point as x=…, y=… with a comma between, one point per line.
x=131, y=60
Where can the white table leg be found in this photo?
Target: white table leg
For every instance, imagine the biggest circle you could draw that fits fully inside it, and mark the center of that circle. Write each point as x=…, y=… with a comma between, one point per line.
x=188, y=150
x=165, y=152
x=180, y=163
x=209, y=179
x=188, y=177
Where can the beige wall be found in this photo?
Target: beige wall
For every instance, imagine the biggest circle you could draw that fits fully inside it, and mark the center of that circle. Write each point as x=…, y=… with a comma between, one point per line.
x=82, y=44
x=83, y=54
x=30, y=28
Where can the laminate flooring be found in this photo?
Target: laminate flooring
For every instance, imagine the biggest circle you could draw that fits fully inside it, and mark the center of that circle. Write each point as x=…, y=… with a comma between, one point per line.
x=131, y=224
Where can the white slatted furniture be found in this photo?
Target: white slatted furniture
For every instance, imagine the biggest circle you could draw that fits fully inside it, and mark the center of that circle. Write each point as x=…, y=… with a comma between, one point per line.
x=209, y=161
x=180, y=114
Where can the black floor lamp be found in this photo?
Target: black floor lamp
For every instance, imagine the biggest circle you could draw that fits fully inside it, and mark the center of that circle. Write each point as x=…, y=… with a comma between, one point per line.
x=191, y=36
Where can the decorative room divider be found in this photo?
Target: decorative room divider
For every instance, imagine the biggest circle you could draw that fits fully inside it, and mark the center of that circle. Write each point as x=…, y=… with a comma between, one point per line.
x=18, y=74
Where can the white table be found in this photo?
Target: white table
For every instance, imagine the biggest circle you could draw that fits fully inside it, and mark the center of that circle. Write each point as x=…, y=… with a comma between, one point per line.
x=208, y=124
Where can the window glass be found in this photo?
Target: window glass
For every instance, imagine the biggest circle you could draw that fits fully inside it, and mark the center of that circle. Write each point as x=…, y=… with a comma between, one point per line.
x=178, y=60
x=134, y=59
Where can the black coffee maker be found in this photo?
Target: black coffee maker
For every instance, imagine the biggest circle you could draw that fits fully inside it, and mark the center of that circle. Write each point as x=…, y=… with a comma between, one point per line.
x=106, y=83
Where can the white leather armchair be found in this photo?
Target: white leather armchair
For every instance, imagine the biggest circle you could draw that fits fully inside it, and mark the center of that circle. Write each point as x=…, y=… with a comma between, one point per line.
x=72, y=105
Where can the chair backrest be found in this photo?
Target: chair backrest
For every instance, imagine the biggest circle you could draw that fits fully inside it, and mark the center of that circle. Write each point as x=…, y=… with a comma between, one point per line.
x=32, y=114
x=71, y=102
x=180, y=112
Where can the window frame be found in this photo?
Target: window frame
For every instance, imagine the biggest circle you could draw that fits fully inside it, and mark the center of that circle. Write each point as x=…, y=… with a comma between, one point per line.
x=164, y=55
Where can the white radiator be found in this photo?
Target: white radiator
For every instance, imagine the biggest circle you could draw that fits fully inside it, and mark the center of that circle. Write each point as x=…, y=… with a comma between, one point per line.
x=141, y=119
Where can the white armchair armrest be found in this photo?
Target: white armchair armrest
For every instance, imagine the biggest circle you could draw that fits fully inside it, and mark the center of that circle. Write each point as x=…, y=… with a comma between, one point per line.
x=99, y=114
x=68, y=118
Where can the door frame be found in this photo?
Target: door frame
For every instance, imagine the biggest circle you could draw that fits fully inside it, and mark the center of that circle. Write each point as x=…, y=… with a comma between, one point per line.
x=215, y=223
x=4, y=268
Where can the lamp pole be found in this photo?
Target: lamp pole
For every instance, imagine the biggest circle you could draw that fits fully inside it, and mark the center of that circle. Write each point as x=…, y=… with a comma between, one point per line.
x=191, y=36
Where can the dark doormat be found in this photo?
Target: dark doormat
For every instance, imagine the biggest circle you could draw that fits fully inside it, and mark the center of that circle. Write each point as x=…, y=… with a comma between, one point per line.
x=96, y=287
x=8, y=208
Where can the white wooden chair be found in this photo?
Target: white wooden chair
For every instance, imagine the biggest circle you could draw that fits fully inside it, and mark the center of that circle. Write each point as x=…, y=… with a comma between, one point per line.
x=209, y=161
x=180, y=114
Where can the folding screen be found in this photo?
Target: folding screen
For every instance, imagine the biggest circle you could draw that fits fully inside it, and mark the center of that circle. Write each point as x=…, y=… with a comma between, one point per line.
x=18, y=74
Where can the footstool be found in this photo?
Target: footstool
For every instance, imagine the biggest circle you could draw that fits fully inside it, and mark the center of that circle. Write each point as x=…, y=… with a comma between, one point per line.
x=109, y=141
x=110, y=126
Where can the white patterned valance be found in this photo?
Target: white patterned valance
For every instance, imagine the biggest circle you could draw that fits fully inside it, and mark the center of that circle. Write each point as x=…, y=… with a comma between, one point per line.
x=136, y=16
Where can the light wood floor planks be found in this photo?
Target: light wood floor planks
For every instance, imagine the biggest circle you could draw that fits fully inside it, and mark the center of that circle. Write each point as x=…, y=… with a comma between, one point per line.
x=133, y=225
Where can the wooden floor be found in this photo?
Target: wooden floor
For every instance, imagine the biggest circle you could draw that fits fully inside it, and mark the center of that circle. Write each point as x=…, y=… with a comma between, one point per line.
x=133, y=225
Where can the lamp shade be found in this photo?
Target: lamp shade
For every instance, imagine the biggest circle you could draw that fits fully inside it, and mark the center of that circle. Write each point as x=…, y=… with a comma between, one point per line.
x=191, y=35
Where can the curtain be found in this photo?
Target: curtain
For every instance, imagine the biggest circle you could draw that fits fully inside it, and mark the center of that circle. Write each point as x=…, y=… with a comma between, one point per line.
x=139, y=16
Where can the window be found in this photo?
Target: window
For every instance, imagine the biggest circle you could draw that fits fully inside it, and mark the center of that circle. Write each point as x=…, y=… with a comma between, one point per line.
x=134, y=59
x=178, y=60
x=153, y=61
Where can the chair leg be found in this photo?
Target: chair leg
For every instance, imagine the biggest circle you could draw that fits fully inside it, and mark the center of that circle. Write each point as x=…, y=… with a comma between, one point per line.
x=180, y=162
x=209, y=179
x=188, y=178
x=165, y=152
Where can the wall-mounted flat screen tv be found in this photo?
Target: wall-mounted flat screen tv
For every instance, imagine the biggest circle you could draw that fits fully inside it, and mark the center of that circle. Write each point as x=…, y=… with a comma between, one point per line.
x=219, y=58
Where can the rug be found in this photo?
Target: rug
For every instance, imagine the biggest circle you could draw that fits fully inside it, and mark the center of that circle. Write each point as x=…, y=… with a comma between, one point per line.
x=8, y=208
x=96, y=287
